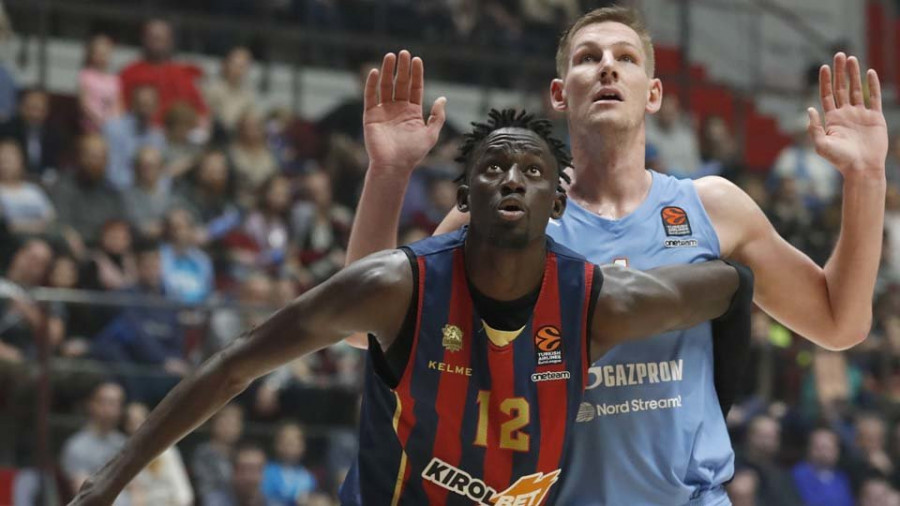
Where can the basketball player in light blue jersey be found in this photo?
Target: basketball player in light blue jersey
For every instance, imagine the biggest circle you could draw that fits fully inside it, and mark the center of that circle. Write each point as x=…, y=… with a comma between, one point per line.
x=652, y=428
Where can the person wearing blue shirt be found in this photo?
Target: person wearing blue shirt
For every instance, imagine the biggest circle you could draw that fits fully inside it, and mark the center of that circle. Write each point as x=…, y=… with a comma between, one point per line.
x=187, y=270
x=818, y=480
x=285, y=481
x=130, y=132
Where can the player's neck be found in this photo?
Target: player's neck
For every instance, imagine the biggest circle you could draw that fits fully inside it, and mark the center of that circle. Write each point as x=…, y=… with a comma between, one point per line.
x=505, y=274
x=610, y=177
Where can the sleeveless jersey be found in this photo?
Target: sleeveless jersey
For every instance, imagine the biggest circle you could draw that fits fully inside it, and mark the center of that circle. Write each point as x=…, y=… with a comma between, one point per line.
x=470, y=422
x=650, y=430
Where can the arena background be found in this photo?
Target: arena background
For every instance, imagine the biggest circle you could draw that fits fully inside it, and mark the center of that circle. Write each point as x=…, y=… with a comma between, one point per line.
x=90, y=292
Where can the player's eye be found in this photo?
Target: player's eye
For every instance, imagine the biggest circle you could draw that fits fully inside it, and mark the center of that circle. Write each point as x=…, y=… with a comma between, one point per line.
x=534, y=170
x=627, y=58
x=587, y=58
x=493, y=168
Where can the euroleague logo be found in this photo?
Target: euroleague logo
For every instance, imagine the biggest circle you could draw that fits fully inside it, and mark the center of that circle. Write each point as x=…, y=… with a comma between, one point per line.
x=548, y=338
x=548, y=345
x=675, y=221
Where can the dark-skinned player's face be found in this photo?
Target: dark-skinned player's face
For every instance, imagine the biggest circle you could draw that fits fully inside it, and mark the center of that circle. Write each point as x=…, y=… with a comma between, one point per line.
x=511, y=189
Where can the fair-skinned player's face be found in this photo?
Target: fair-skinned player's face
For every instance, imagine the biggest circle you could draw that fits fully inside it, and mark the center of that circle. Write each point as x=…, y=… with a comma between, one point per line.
x=607, y=83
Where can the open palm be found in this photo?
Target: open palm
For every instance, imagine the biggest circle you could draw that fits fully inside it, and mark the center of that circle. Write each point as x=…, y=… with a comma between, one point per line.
x=397, y=137
x=854, y=137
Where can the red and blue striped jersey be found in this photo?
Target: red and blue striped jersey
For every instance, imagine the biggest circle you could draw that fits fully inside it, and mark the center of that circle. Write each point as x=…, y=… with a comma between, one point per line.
x=470, y=421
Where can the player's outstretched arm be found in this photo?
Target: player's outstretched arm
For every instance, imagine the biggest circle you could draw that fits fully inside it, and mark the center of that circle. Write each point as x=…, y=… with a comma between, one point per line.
x=371, y=295
x=831, y=306
x=397, y=139
x=636, y=304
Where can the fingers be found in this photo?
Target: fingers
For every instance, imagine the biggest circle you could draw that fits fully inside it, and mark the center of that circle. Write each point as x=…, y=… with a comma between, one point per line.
x=417, y=85
x=841, y=94
x=826, y=94
x=874, y=90
x=816, y=132
x=401, y=84
x=856, y=92
x=370, y=95
x=387, y=77
x=437, y=117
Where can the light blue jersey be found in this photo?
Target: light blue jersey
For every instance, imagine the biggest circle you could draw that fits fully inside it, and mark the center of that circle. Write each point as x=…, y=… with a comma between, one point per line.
x=650, y=429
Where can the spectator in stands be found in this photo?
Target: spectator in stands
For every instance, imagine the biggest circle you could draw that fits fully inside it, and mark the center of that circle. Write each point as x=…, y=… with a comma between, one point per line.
x=208, y=192
x=62, y=318
x=743, y=488
x=760, y=455
x=174, y=82
x=230, y=95
x=112, y=266
x=41, y=141
x=186, y=269
x=151, y=197
x=671, y=133
x=818, y=479
x=818, y=182
x=99, y=90
x=285, y=480
x=128, y=133
x=146, y=335
x=870, y=457
x=877, y=492
x=25, y=206
x=892, y=167
x=441, y=189
x=320, y=227
x=164, y=482
x=20, y=315
x=85, y=201
x=182, y=148
x=794, y=220
x=91, y=447
x=211, y=463
x=245, y=487
x=267, y=226
x=718, y=150
x=253, y=161
x=254, y=304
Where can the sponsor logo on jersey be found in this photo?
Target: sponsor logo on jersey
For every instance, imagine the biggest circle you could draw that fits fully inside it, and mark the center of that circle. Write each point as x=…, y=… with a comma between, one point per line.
x=675, y=221
x=548, y=345
x=526, y=491
x=635, y=373
x=550, y=376
x=453, y=338
x=449, y=368
x=681, y=243
x=588, y=411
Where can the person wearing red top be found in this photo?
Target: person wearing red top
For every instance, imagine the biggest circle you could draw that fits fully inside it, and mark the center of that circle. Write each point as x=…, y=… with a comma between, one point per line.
x=174, y=82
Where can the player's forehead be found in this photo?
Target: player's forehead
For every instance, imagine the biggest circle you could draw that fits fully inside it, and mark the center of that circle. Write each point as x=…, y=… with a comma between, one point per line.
x=606, y=34
x=514, y=140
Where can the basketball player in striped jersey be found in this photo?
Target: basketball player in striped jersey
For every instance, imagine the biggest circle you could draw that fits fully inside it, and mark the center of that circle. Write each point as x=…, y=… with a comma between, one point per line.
x=620, y=212
x=479, y=340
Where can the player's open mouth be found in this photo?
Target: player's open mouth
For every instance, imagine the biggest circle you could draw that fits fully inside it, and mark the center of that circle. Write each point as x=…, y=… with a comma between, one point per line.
x=608, y=95
x=511, y=209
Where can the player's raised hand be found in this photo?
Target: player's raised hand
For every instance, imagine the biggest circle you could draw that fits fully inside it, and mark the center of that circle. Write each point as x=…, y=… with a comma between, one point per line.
x=397, y=136
x=854, y=138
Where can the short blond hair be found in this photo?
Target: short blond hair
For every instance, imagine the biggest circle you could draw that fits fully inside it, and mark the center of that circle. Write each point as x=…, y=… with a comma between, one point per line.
x=618, y=14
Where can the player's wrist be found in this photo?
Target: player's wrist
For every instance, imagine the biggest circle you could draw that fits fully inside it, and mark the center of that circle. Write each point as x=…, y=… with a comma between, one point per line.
x=865, y=176
x=390, y=172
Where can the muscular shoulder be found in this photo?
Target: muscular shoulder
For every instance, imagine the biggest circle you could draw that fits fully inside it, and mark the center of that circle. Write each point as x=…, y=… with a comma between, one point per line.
x=734, y=215
x=386, y=270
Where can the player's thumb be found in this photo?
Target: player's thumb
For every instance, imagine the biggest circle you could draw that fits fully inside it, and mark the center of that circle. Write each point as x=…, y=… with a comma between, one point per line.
x=437, y=117
x=816, y=131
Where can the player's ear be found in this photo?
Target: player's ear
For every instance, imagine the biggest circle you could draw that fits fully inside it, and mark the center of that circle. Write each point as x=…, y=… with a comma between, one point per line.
x=462, y=198
x=654, y=96
x=559, y=204
x=558, y=95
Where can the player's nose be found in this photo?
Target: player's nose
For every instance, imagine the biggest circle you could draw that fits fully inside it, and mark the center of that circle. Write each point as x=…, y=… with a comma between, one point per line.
x=513, y=181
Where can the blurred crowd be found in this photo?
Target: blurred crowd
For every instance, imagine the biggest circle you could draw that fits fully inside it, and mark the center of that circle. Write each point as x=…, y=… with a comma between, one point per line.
x=190, y=214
